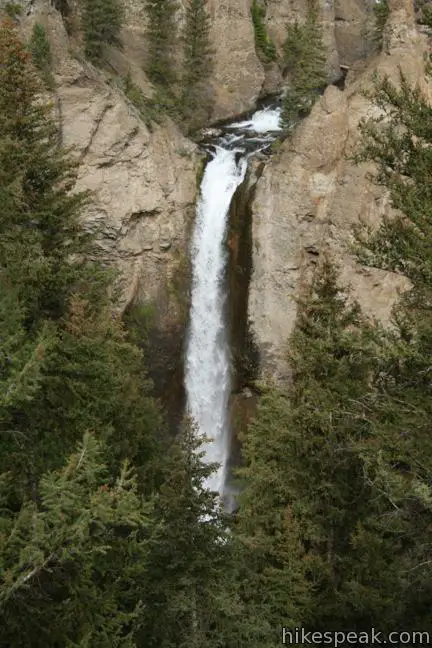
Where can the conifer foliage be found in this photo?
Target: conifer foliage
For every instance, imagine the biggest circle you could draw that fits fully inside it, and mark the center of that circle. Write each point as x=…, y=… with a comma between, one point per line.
x=263, y=42
x=85, y=559
x=343, y=454
x=102, y=21
x=161, y=37
x=108, y=535
x=381, y=12
x=180, y=64
x=197, y=62
x=41, y=53
x=40, y=219
x=399, y=142
x=65, y=363
x=189, y=557
x=305, y=66
x=302, y=475
x=72, y=562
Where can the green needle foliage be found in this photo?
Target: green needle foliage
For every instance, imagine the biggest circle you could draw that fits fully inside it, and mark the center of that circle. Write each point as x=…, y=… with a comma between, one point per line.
x=40, y=224
x=161, y=39
x=189, y=555
x=102, y=21
x=401, y=148
x=108, y=536
x=263, y=42
x=66, y=365
x=197, y=63
x=72, y=561
x=338, y=463
x=399, y=466
x=84, y=559
x=305, y=65
x=41, y=53
x=148, y=108
x=302, y=474
x=381, y=12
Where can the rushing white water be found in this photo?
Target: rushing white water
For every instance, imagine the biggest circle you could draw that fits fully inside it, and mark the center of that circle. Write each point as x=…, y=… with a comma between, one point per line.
x=207, y=367
x=207, y=375
x=263, y=121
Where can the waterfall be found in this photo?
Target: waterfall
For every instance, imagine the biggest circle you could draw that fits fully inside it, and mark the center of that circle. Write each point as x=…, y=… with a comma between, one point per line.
x=207, y=373
x=207, y=368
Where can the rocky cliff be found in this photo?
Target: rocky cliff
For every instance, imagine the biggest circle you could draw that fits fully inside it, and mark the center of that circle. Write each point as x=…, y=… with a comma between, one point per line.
x=311, y=194
x=144, y=181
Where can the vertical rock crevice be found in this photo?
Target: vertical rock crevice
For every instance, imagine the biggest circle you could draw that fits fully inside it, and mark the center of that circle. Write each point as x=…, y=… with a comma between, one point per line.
x=245, y=359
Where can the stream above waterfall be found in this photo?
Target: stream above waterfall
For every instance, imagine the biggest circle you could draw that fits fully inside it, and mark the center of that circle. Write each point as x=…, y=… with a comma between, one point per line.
x=208, y=357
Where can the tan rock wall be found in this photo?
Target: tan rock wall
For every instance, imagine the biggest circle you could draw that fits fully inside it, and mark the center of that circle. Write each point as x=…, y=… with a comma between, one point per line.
x=280, y=13
x=238, y=74
x=310, y=196
x=143, y=182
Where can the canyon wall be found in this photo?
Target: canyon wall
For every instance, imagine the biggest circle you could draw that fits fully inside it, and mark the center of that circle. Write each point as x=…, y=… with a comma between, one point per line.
x=311, y=194
x=144, y=180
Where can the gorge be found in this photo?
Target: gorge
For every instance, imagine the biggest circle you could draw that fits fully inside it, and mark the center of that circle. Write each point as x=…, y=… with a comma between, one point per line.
x=309, y=194
x=215, y=248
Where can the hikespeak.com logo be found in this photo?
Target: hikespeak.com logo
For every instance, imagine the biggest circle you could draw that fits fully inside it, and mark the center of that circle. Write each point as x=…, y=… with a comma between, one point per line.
x=301, y=636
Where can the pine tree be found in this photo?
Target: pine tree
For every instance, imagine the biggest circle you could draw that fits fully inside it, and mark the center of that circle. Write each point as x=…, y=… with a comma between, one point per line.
x=102, y=21
x=161, y=38
x=74, y=562
x=381, y=12
x=304, y=492
x=66, y=365
x=263, y=43
x=399, y=142
x=197, y=61
x=272, y=564
x=191, y=600
x=41, y=53
x=40, y=225
x=305, y=64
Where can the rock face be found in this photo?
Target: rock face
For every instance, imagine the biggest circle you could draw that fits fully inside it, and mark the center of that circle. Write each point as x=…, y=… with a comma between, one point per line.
x=282, y=12
x=238, y=74
x=353, y=29
x=239, y=77
x=347, y=28
x=143, y=182
x=310, y=195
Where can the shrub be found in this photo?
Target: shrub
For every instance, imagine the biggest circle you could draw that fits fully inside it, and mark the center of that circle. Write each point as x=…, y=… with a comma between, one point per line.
x=13, y=10
x=381, y=12
x=40, y=50
x=305, y=63
x=102, y=21
x=263, y=42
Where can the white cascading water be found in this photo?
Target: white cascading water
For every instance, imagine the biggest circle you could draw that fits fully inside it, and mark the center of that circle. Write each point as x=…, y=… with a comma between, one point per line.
x=207, y=378
x=263, y=121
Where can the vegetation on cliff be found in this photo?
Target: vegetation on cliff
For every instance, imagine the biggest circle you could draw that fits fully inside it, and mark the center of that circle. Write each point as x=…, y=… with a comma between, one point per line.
x=41, y=53
x=107, y=534
x=304, y=65
x=161, y=38
x=381, y=13
x=180, y=63
x=93, y=493
x=197, y=63
x=263, y=42
x=343, y=454
x=102, y=21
